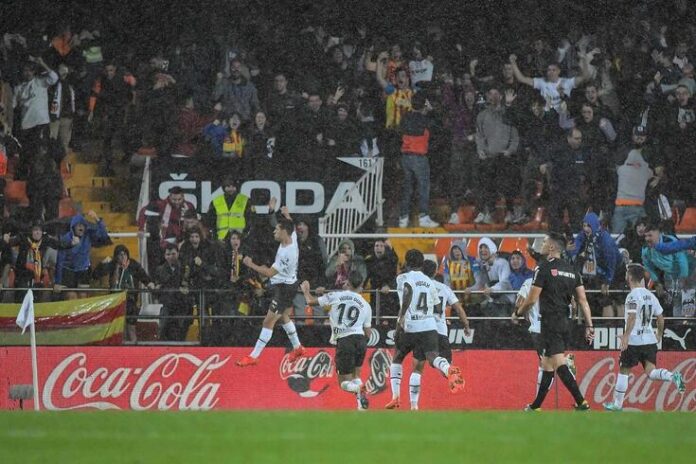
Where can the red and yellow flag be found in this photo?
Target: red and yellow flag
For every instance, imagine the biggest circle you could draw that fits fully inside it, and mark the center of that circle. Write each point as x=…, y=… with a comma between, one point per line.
x=90, y=321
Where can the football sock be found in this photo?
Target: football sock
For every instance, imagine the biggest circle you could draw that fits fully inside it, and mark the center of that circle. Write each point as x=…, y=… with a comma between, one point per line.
x=414, y=388
x=544, y=385
x=540, y=374
x=350, y=386
x=620, y=389
x=569, y=381
x=292, y=334
x=395, y=372
x=660, y=374
x=264, y=337
x=442, y=364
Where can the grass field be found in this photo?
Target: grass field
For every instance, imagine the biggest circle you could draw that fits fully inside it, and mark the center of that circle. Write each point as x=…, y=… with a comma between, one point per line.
x=331, y=437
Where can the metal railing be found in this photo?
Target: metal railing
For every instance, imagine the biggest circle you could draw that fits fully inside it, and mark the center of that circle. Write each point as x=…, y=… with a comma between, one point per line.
x=345, y=218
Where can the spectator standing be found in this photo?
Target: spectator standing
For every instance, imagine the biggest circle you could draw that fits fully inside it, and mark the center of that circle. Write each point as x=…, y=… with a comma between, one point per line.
x=111, y=94
x=229, y=211
x=163, y=219
x=496, y=146
x=282, y=101
x=62, y=108
x=125, y=273
x=236, y=93
x=311, y=265
x=382, y=268
x=30, y=99
x=598, y=260
x=175, y=299
x=415, y=139
x=73, y=267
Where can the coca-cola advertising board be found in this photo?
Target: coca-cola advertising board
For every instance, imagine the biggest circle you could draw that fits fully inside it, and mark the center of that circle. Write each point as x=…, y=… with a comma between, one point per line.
x=174, y=378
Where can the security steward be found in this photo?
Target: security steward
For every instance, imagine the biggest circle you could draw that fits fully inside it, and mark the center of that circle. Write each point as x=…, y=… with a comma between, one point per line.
x=230, y=211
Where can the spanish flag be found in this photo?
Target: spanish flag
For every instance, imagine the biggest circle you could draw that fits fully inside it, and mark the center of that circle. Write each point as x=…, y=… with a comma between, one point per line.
x=90, y=321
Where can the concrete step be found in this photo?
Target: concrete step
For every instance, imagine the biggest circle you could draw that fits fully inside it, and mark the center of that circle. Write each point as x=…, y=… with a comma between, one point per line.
x=101, y=207
x=101, y=182
x=98, y=254
x=85, y=194
x=116, y=221
x=81, y=175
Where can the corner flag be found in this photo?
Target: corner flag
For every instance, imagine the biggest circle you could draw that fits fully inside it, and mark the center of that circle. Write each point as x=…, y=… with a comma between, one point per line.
x=25, y=318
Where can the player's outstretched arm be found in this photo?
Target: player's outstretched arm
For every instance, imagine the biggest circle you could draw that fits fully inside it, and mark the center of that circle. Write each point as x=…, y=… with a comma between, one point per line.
x=581, y=299
x=311, y=299
x=263, y=270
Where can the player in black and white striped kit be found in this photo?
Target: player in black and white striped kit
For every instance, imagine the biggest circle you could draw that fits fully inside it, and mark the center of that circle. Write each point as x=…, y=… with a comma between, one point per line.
x=638, y=342
x=417, y=328
x=351, y=321
x=283, y=279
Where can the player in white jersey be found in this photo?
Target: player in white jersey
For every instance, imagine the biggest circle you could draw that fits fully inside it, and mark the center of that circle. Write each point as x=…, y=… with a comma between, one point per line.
x=417, y=328
x=351, y=321
x=283, y=287
x=638, y=342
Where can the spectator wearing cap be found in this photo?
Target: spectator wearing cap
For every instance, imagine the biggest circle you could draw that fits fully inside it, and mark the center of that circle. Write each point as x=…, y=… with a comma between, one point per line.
x=415, y=140
x=633, y=175
x=229, y=211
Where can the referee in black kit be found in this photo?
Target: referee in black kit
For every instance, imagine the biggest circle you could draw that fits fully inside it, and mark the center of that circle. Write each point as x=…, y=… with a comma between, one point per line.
x=554, y=285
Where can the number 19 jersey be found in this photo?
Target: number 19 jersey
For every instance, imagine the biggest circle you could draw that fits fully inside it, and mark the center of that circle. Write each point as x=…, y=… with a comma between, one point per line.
x=420, y=313
x=644, y=305
x=349, y=313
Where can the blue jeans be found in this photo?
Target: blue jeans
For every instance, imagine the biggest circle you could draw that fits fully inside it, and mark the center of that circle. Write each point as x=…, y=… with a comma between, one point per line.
x=416, y=168
x=625, y=215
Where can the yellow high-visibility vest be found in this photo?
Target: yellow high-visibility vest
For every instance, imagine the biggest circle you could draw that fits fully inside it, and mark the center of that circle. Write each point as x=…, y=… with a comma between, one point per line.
x=230, y=218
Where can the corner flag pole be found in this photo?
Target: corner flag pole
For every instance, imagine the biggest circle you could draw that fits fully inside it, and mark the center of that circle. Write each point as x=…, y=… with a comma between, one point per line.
x=34, y=367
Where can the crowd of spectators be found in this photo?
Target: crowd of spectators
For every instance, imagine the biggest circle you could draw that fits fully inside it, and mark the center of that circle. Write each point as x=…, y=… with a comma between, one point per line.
x=586, y=119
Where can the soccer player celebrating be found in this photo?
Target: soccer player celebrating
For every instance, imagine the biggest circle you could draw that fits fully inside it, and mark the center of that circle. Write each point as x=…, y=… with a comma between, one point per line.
x=350, y=317
x=638, y=343
x=283, y=280
x=416, y=327
x=554, y=284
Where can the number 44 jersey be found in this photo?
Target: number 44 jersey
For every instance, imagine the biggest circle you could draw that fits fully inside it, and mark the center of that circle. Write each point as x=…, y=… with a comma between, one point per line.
x=349, y=313
x=420, y=313
x=645, y=306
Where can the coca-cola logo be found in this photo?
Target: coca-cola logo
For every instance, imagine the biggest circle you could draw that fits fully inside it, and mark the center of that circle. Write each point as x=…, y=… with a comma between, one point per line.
x=300, y=373
x=167, y=383
x=598, y=386
x=379, y=371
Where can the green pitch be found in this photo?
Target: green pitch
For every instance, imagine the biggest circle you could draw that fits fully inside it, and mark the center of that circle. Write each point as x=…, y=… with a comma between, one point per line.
x=331, y=437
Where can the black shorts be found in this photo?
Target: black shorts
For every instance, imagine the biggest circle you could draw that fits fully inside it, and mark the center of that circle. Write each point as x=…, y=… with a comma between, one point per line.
x=75, y=279
x=551, y=342
x=635, y=354
x=282, y=296
x=350, y=353
x=444, y=347
x=536, y=343
x=419, y=343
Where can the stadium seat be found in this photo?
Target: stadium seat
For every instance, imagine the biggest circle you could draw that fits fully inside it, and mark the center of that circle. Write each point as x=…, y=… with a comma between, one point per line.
x=472, y=247
x=688, y=222
x=442, y=247
x=16, y=192
x=66, y=208
x=466, y=214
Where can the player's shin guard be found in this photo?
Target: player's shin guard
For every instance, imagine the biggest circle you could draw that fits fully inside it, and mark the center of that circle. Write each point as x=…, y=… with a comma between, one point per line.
x=660, y=374
x=395, y=373
x=414, y=385
x=442, y=365
x=620, y=389
x=544, y=385
x=292, y=334
x=264, y=338
x=569, y=381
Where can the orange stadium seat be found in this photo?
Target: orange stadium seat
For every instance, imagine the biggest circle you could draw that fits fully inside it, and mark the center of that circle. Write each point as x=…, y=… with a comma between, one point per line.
x=442, y=247
x=16, y=192
x=472, y=247
x=688, y=221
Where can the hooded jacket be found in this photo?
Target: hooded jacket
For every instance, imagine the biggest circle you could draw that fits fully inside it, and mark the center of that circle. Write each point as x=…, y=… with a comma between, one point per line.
x=496, y=275
x=77, y=258
x=607, y=256
x=355, y=263
x=120, y=277
x=458, y=274
x=517, y=277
